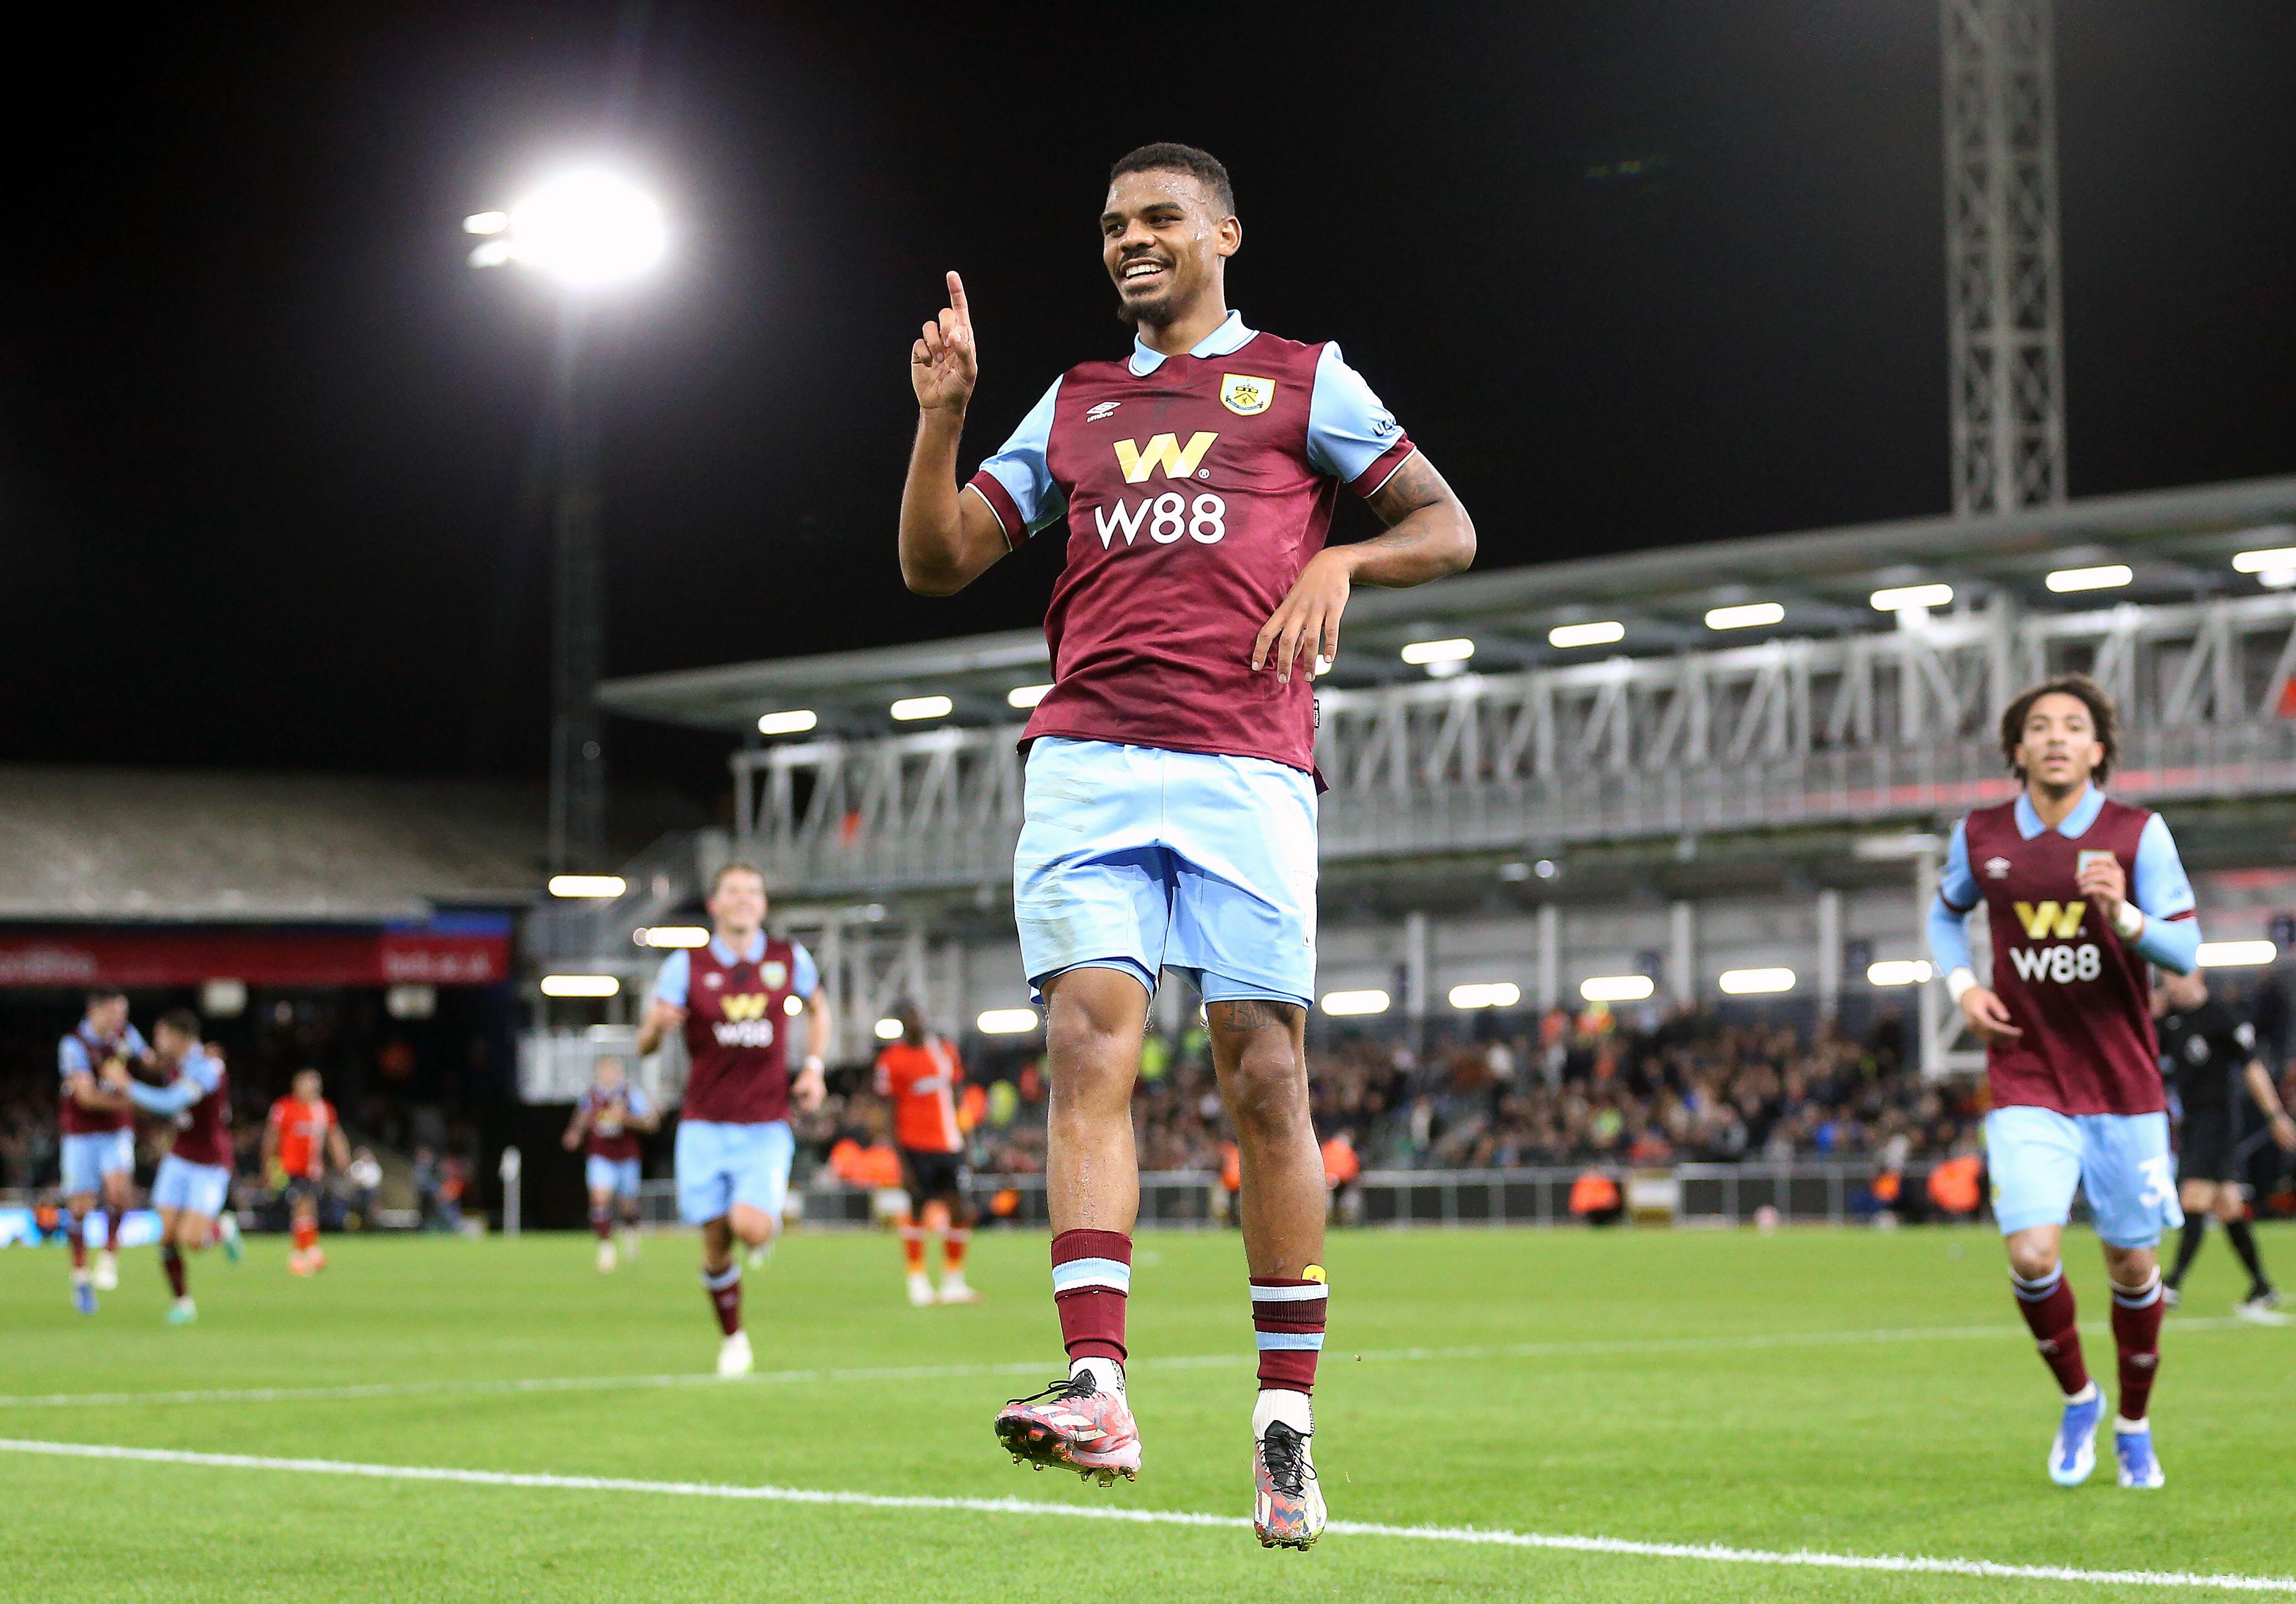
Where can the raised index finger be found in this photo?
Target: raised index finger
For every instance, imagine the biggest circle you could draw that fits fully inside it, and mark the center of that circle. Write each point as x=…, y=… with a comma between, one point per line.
x=956, y=301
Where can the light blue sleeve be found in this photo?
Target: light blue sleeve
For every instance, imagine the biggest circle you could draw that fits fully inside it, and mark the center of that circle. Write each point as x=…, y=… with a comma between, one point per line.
x=805, y=975
x=132, y=1043
x=2164, y=891
x=635, y=1100
x=71, y=1057
x=669, y=986
x=1348, y=428
x=1021, y=466
x=173, y=1098
x=1956, y=898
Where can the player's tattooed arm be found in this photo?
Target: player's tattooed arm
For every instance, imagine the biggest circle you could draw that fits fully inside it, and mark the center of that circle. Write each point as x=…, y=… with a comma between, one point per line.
x=948, y=537
x=1428, y=535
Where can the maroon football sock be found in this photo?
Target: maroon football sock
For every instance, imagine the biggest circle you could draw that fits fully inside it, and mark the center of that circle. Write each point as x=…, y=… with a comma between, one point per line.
x=1287, y=1318
x=602, y=1220
x=76, y=1234
x=171, y=1259
x=724, y=1289
x=1092, y=1277
x=2136, y=1333
x=2047, y=1306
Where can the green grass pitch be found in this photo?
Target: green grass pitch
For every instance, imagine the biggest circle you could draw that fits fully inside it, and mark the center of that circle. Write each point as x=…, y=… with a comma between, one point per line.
x=1849, y=1393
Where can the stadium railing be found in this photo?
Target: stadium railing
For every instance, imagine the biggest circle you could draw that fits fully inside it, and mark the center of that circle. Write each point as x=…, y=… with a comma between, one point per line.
x=1804, y=1192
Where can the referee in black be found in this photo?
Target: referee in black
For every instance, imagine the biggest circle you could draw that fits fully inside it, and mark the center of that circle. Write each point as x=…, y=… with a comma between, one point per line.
x=2205, y=1047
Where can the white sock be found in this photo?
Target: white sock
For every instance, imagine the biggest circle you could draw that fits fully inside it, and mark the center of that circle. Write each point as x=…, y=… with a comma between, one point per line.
x=954, y=1278
x=1275, y=1404
x=2084, y=1396
x=2122, y=1424
x=1107, y=1375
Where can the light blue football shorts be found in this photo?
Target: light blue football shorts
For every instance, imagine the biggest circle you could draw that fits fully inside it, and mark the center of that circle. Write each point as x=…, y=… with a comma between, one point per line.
x=88, y=1157
x=195, y=1188
x=719, y=1165
x=1136, y=859
x=2120, y=1163
x=618, y=1176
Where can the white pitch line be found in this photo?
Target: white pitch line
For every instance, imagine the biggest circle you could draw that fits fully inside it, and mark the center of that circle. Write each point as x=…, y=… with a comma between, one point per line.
x=1713, y=1554
x=1754, y=1342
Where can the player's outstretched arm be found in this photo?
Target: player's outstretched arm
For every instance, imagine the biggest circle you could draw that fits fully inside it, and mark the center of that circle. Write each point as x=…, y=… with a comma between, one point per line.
x=948, y=537
x=2266, y=1097
x=575, y=1128
x=1428, y=535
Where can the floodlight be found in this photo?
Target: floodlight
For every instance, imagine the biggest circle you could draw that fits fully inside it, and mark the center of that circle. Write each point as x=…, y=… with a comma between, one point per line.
x=579, y=985
x=796, y=722
x=1748, y=615
x=1007, y=1021
x=1898, y=971
x=1897, y=599
x=587, y=885
x=1486, y=995
x=585, y=229
x=2236, y=955
x=1027, y=695
x=1342, y=1004
x=1617, y=988
x=2105, y=576
x=888, y=1030
x=671, y=936
x=1420, y=653
x=909, y=708
x=1603, y=634
x=1755, y=983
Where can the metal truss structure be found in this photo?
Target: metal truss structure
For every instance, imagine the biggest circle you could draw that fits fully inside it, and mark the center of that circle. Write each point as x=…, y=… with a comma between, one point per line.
x=2004, y=310
x=1856, y=730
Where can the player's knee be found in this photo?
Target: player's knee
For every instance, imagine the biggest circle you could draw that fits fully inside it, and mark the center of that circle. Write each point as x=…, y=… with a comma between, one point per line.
x=2130, y=1268
x=2032, y=1259
x=1267, y=1091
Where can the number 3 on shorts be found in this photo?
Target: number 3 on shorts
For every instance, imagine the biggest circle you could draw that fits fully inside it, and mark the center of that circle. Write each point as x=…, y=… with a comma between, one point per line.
x=2158, y=1187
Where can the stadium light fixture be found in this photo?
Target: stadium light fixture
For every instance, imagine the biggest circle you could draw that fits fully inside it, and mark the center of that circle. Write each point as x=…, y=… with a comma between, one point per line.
x=2274, y=567
x=2105, y=576
x=1007, y=1021
x=1746, y=615
x=1341, y=1005
x=586, y=228
x=1564, y=636
x=671, y=936
x=796, y=722
x=910, y=709
x=579, y=985
x=2237, y=955
x=1419, y=654
x=1027, y=695
x=1486, y=995
x=1755, y=983
x=793, y=1005
x=587, y=885
x=1898, y=971
x=888, y=1030
x=1617, y=988
x=1897, y=599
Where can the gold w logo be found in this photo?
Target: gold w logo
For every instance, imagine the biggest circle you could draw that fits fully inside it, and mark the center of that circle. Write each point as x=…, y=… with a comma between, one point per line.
x=1164, y=451
x=752, y=1005
x=2050, y=918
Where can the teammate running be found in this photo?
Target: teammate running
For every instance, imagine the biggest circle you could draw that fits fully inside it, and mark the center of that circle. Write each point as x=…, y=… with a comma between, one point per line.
x=918, y=1076
x=1170, y=789
x=734, y=999
x=2080, y=893
x=299, y=1139
x=98, y=1136
x=2204, y=1045
x=193, y=1184
x=611, y=1115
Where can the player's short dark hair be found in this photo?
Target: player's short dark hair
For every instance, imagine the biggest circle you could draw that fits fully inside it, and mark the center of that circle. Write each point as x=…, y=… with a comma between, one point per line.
x=2102, y=713
x=1165, y=157
x=183, y=1022
x=97, y=996
x=734, y=865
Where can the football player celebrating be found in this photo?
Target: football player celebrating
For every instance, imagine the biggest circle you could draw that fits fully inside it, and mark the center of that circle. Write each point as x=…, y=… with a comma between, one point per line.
x=98, y=1128
x=733, y=1000
x=1170, y=787
x=610, y=1116
x=2081, y=894
x=193, y=1185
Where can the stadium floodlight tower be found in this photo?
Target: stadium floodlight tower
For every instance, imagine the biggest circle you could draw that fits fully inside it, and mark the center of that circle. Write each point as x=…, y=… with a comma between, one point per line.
x=589, y=231
x=2003, y=303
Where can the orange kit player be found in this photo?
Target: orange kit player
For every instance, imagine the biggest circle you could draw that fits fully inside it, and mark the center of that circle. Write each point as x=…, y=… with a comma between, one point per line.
x=299, y=1140
x=919, y=1076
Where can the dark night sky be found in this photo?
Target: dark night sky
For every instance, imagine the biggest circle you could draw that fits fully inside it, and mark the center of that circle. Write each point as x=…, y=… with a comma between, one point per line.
x=264, y=493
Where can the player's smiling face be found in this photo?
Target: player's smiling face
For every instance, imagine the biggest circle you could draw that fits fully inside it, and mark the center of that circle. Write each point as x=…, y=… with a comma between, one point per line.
x=738, y=905
x=1163, y=238
x=2059, y=748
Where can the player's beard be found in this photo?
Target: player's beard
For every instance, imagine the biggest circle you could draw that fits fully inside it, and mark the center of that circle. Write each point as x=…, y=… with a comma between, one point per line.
x=1156, y=311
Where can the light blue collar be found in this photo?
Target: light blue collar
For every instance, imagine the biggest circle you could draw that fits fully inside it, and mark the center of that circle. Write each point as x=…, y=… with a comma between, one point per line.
x=2075, y=823
x=1230, y=337
x=750, y=955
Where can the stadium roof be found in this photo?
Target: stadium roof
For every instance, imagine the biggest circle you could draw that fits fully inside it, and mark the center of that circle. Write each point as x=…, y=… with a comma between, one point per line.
x=2177, y=544
x=85, y=845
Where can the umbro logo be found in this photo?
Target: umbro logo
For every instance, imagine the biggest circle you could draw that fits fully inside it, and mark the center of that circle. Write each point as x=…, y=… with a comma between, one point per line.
x=1100, y=411
x=712, y=980
x=1996, y=868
